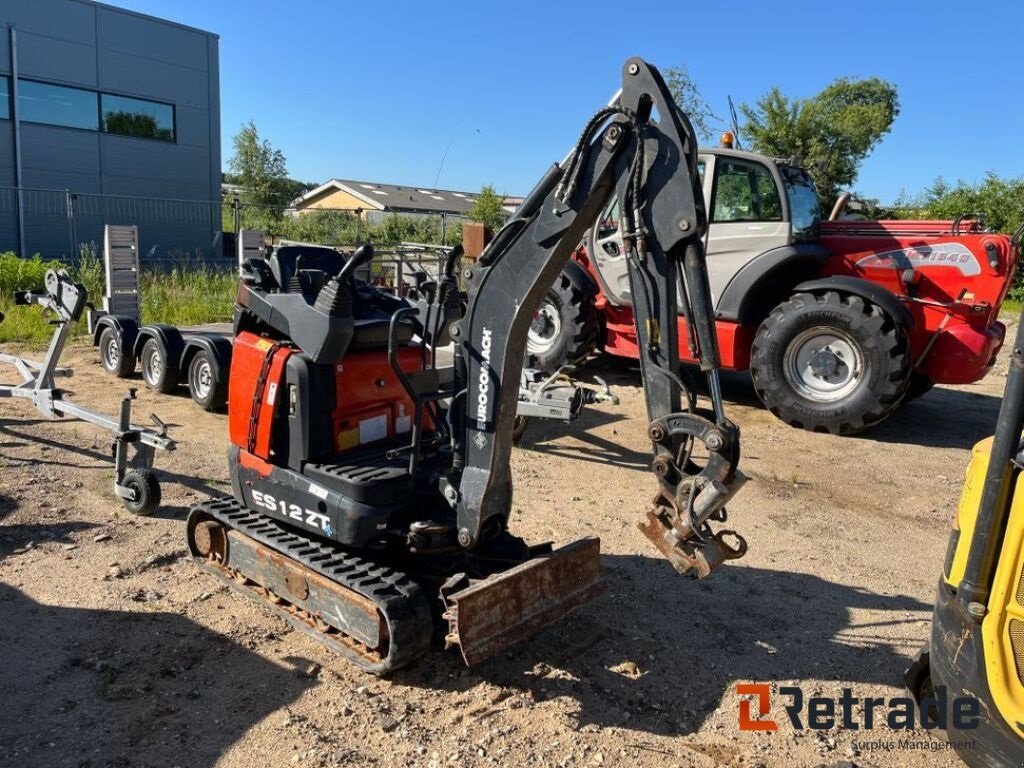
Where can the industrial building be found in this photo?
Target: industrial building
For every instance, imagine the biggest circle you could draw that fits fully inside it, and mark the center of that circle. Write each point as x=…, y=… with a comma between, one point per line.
x=107, y=117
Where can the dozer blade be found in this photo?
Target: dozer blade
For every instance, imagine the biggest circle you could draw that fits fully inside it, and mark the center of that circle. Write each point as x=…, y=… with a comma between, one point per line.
x=489, y=615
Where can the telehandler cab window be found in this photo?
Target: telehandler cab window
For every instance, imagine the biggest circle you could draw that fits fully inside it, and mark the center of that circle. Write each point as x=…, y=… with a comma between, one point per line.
x=745, y=191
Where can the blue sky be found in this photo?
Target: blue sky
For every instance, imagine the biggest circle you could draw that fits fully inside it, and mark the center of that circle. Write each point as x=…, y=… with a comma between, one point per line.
x=378, y=90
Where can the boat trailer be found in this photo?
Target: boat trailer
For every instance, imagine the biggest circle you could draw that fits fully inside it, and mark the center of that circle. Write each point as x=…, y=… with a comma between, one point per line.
x=135, y=483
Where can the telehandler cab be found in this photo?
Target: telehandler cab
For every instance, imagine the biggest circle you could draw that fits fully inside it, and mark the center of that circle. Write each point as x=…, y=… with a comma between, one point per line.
x=371, y=500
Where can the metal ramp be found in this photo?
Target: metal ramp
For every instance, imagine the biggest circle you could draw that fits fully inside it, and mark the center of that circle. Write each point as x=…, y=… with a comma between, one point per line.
x=121, y=263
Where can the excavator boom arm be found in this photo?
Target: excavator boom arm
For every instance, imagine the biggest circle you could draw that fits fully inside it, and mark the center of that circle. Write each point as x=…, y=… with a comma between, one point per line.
x=642, y=149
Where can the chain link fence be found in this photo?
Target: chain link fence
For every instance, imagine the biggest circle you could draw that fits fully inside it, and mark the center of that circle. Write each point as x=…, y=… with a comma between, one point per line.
x=61, y=223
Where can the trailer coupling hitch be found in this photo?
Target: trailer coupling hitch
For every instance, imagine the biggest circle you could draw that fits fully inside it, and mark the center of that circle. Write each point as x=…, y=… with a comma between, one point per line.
x=603, y=395
x=691, y=497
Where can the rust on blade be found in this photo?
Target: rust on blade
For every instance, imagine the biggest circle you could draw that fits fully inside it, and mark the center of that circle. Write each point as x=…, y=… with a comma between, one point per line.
x=491, y=614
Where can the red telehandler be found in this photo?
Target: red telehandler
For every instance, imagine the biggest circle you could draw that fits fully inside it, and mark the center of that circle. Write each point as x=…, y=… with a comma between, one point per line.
x=838, y=321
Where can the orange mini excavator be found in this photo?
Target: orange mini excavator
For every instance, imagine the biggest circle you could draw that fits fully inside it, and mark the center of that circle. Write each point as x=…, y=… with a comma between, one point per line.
x=370, y=437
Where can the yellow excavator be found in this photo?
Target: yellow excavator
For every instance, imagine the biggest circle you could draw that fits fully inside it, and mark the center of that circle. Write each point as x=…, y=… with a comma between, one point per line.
x=976, y=649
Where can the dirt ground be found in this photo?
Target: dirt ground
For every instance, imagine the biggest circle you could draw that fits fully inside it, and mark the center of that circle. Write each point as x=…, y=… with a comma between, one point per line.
x=118, y=651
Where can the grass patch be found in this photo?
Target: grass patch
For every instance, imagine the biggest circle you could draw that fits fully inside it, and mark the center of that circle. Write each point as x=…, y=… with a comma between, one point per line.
x=188, y=294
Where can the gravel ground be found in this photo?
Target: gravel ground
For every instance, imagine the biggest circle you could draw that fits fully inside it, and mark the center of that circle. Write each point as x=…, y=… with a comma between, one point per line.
x=118, y=651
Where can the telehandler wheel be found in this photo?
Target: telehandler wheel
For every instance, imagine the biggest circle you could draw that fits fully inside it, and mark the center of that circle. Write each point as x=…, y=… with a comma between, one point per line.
x=565, y=327
x=920, y=385
x=114, y=357
x=145, y=489
x=158, y=373
x=830, y=362
x=210, y=394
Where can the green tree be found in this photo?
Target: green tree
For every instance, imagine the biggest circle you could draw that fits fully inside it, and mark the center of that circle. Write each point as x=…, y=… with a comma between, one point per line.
x=262, y=172
x=832, y=131
x=487, y=209
x=689, y=99
x=999, y=200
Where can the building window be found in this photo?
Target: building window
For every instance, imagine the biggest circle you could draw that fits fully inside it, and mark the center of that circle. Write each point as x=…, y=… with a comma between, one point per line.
x=5, y=98
x=57, y=105
x=135, y=117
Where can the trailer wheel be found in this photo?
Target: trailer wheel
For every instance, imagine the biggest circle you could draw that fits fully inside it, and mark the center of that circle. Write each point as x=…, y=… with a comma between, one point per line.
x=158, y=372
x=145, y=490
x=114, y=357
x=203, y=384
x=830, y=362
x=565, y=327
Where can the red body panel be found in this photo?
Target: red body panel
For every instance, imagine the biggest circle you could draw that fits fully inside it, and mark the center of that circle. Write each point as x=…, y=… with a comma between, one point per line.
x=371, y=402
x=370, y=405
x=249, y=358
x=957, y=282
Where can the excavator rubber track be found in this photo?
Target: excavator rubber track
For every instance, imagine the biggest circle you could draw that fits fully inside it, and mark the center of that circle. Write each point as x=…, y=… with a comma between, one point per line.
x=375, y=616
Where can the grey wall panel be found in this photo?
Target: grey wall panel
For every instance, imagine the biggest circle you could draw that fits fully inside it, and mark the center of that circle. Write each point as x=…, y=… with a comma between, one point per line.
x=63, y=19
x=169, y=189
x=8, y=231
x=48, y=235
x=193, y=126
x=5, y=48
x=150, y=38
x=59, y=180
x=6, y=144
x=154, y=160
x=49, y=148
x=215, y=156
x=134, y=75
x=49, y=58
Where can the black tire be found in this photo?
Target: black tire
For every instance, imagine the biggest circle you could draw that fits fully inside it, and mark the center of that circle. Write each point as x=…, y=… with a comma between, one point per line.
x=203, y=384
x=158, y=373
x=819, y=389
x=920, y=385
x=114, y=357
x=145, y=489
x=565, y=328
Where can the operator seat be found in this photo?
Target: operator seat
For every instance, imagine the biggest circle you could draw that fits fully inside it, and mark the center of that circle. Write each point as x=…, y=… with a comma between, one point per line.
x=307, y=268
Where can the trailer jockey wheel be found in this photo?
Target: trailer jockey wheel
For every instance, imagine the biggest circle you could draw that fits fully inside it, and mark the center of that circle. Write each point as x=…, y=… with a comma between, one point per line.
x=830, y=362
x=203, y=384
x=113, y=356
x=158, y=372
x=564, y=328
x=143, y=492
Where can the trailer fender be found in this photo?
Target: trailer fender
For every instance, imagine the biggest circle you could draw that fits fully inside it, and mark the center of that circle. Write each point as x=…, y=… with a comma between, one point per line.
x=125, y=326
x=872, y=292
x=171, y=342
x=217, y=347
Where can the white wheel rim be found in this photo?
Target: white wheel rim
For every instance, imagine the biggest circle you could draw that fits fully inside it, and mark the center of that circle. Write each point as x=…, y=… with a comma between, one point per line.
x=545, y=328
x=154, y=367
x=203, y=380
x=823, y=364
x=111, y=353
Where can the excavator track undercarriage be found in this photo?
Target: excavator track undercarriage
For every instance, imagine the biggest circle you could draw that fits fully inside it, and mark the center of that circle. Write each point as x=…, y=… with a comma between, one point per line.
x=374, y=615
